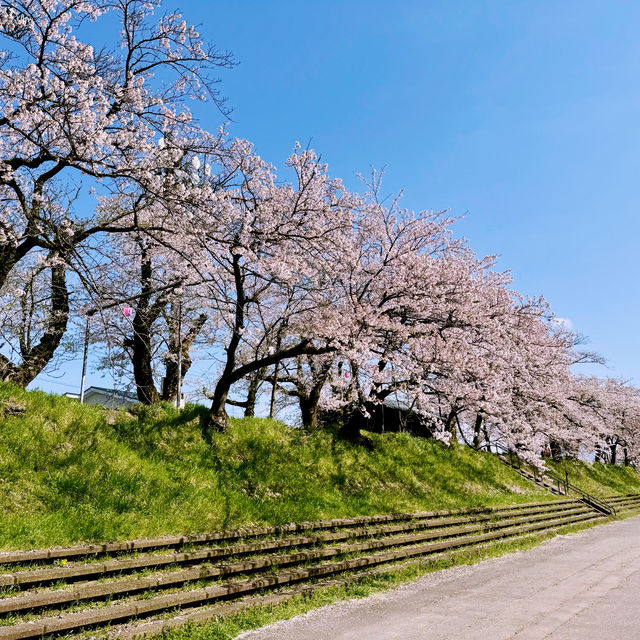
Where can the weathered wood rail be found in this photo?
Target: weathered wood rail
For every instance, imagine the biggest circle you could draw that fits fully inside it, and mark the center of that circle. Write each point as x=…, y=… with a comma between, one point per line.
x=118, y=586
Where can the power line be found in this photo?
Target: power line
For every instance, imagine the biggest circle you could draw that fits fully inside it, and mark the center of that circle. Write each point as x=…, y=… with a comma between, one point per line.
x=62, y=384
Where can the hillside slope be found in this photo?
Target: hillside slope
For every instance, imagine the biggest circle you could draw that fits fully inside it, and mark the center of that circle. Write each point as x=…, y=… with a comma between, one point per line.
x=70, y=472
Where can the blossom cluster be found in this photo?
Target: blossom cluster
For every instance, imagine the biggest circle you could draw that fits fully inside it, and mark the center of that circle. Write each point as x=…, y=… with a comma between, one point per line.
x=341, y=301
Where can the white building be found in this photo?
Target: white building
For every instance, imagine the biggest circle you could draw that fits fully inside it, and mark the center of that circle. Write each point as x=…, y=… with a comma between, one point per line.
x=111, y=398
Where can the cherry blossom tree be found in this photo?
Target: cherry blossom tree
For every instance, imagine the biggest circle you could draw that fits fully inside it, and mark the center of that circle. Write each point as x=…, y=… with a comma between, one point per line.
x=375, y=280
x=34, y=303
x=164, y=318
x=113, y=196
x=75, y=117
x=262, y=246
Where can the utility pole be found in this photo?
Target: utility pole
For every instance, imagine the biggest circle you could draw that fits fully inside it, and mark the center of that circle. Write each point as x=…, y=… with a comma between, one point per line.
x=272, y=406
x=179, y=384
x=84, y=358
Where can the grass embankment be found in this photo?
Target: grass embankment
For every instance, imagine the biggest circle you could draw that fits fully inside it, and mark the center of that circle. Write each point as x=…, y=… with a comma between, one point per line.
x=70, y=473
x=596, y=478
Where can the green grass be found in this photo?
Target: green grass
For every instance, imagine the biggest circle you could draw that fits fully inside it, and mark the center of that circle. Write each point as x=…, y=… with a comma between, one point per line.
x=70, y=473
x=596, y=478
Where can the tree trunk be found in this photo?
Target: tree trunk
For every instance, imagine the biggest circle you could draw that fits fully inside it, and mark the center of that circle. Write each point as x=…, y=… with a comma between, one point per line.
x=141, y=360
x=146, y=314
x=450, y=426
x=252, y=393
x=36, y=358
x=350, y=430
x=309, y=411
x=11, y=254
x=596, y=457
x=477, y=431
x=614, y=450
x=487, y=440
x=7, y=257
x=309, y=401
x=170, y=389
x=216, y=419
x=556, y=451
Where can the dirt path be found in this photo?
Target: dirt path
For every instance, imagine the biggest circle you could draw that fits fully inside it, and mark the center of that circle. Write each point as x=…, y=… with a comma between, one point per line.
x=579, y=587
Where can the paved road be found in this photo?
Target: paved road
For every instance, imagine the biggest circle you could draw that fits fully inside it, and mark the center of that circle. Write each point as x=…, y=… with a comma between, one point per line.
x=579, y=587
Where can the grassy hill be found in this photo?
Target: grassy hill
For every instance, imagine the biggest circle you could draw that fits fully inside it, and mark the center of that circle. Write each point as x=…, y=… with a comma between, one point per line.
x=70, y=472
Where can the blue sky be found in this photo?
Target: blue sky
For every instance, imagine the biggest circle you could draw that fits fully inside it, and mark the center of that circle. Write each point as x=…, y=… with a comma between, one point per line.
x=524, y=116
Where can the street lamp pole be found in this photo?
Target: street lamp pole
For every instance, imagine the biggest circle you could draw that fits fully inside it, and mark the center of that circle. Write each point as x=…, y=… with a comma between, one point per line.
x=272, y=404
x=179, y=385
x=84, y=359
